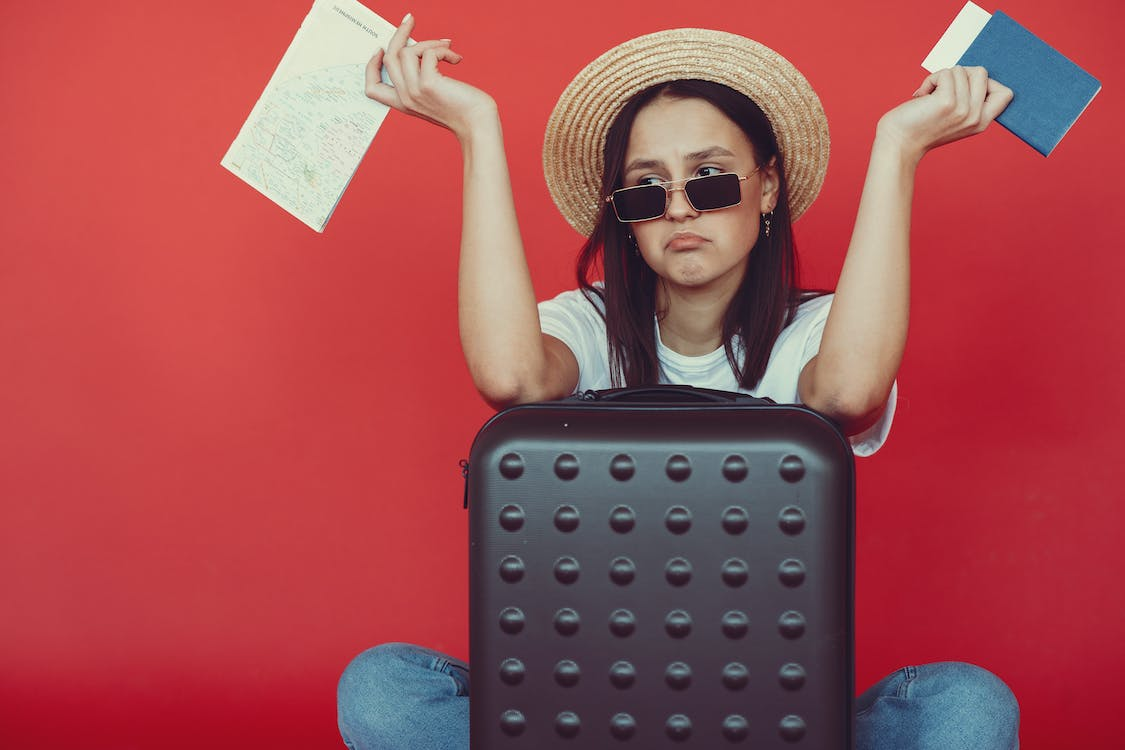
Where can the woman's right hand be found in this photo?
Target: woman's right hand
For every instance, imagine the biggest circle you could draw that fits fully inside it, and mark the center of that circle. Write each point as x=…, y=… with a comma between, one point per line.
x=419, y=88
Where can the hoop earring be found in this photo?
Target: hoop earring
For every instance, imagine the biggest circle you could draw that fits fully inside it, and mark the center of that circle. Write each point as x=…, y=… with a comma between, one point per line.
x=766, y=218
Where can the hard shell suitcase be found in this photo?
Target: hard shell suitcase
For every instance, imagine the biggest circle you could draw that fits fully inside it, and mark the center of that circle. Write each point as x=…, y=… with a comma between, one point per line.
x=648, y=569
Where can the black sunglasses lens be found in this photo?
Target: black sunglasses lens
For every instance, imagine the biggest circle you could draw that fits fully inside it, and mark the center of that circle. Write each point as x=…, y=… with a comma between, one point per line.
x=714, y=191
x=640, y=203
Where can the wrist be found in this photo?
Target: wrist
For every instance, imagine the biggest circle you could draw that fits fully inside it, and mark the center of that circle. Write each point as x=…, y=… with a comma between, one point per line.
x=480, y=121
x=891, y=142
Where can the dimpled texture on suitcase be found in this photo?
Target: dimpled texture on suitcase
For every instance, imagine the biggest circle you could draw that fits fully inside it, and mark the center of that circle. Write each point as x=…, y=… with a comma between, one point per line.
x=657, y=576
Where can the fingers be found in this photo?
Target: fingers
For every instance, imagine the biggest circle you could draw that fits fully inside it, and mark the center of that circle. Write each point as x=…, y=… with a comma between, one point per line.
x=965, y=95
x=396, y=44
x=428, y=67
x=409, y=67
x=927, y=86
x=986, y=98
x=410, y=62
x=960, y=104
x=391, y=57
x=968, y=95
x=403, y=55
x=977, y=78
x=996, y=99
x=940, y=82
x=374, y=86
x=949, y=105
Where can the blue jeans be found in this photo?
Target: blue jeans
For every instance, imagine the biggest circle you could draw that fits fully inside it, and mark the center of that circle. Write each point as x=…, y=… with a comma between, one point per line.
x=401, y=696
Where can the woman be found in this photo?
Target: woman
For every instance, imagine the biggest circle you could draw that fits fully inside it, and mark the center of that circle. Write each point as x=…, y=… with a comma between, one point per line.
x=684, y=156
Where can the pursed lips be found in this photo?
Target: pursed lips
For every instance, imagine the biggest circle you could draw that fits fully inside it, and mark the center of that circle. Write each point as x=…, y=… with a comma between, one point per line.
x=684, y=241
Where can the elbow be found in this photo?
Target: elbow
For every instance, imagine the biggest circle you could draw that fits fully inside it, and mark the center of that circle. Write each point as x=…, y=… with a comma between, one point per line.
x=854, y=409
x=853, y=395
x=502, y=390
x=524, y=377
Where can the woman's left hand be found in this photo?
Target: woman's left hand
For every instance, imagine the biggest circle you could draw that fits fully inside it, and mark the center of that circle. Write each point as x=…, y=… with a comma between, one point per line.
x=951, y=104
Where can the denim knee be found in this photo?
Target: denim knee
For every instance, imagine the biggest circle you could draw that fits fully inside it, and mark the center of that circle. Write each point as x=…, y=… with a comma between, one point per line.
x=987, y=709
x=398, y=695
x=944, y=706
x=369, y=695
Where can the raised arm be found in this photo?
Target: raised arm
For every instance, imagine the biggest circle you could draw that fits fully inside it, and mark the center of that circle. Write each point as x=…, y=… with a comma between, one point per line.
x=865, y=335
x=509, y=359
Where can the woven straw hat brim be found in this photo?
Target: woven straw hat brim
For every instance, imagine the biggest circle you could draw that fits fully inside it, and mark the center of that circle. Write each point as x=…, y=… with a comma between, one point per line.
x=574, y=144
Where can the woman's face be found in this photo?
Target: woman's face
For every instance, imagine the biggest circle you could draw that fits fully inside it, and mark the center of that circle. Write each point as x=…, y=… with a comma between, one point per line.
x=674, y=139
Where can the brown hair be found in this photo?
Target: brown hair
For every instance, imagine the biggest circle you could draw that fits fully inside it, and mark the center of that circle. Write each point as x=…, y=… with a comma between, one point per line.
x=765, y=302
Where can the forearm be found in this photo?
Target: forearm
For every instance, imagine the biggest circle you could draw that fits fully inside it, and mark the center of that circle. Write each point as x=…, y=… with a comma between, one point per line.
x=865, y=334
x=506, y=354
x=499, y=320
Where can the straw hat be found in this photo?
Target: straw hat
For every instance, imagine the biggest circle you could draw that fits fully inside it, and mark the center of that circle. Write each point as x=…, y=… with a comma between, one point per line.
x=576, y=132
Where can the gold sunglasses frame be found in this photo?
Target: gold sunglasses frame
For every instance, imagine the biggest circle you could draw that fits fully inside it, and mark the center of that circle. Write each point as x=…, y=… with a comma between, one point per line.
x=682, y=188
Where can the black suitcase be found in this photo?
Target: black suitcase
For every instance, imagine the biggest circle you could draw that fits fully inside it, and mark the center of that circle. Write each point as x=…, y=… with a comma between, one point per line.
x=662, y=567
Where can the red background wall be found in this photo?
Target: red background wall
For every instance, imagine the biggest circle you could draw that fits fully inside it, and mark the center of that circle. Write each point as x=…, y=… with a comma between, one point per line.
x=229, y=445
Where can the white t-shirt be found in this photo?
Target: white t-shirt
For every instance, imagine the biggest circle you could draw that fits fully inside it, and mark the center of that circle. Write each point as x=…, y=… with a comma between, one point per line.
x=570, y=318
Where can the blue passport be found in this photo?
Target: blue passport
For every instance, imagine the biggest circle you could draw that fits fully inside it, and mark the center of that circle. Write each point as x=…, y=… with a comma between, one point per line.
x=1051, y=91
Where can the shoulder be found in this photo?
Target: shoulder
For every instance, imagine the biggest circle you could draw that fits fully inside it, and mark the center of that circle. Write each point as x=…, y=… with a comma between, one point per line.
x=577, y=301
x=574, y=316
x=577, y=308
x=812, y=309
x=797, y=343
x=808, y=320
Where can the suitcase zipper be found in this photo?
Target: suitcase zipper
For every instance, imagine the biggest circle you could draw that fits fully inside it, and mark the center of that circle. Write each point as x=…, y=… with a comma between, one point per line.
x=464, y=464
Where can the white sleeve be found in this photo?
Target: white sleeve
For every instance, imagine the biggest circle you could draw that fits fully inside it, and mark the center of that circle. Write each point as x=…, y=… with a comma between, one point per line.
x=573, y=319
x=870, y=440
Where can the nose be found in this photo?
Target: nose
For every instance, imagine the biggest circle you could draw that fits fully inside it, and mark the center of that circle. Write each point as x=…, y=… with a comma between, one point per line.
x=679, y=207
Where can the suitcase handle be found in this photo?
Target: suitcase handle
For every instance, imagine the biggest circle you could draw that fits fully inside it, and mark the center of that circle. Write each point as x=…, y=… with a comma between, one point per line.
x=670, y=394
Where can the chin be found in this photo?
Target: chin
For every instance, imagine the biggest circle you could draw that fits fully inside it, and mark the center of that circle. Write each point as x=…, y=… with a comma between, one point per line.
x=693, y=281
x=693, y=277
x=690, y=273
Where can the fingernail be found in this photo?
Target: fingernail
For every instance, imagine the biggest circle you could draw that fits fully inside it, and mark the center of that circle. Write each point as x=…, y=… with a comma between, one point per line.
x=445, y=40
x=406, y=18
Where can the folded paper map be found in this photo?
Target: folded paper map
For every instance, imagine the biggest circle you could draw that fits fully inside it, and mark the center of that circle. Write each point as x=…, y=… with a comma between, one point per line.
x=309, y=130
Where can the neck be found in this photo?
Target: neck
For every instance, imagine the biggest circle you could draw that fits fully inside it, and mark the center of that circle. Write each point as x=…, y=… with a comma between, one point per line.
x=691, y=320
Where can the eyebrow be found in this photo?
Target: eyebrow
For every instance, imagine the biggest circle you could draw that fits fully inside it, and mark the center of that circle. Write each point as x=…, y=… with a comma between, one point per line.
x=702, y=155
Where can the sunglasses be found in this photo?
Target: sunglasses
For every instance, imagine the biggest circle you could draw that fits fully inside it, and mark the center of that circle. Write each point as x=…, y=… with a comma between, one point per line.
x=708, y=193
